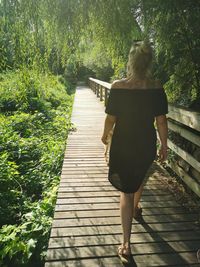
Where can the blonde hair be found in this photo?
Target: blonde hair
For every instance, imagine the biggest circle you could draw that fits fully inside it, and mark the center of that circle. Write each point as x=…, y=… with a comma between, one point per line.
x=139, y=60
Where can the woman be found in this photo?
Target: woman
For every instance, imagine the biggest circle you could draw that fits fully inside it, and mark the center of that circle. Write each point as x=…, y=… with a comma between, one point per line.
x=133, y=105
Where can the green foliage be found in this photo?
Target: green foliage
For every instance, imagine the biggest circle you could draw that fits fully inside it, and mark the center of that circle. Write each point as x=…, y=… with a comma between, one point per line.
x=24, y=244
x=29, y=91
x=95, y=57
x=78, y=38
x=32, y=144
x=31, y=35
x=107, y=38
x=173, y=26
x=70, y=74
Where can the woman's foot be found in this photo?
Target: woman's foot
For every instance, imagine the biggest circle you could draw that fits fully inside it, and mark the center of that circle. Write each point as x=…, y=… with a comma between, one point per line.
x=124, y=252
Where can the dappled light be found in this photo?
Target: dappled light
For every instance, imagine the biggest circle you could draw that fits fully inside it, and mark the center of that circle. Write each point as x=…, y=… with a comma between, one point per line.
x=59, y=65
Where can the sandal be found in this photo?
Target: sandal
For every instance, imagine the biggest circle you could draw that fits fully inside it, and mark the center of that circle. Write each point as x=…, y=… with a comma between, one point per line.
x=124, y=257
x=138, y=213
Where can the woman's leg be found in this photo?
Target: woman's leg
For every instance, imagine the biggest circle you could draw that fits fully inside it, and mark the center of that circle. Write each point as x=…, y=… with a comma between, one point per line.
x=138, y=194
x=126, y=212
x=136, y=200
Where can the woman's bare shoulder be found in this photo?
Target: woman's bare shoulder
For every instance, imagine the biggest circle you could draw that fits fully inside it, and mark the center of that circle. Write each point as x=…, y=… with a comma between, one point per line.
x=127, y=83
x=118, y=84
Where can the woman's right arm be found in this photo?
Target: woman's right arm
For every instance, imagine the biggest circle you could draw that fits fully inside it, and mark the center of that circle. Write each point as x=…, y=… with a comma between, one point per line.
x=161, y=123
x=108, y=125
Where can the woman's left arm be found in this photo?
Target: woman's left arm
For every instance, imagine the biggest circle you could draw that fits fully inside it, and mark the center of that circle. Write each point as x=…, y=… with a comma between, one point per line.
x=108, y=125
x=161, y=123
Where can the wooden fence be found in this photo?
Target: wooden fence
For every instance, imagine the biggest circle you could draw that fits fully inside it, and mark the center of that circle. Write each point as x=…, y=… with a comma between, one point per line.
x=183, y=121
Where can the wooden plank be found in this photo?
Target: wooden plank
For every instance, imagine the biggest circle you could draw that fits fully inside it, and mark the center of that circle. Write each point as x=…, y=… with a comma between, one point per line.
x=101, y=188
x=94, y=179
x=85, y=180
x=138, y=249
x=66, y=159
x=116, y=239
x=82, y=154
x=160, y=260
x=102, y=198
x=104, y=183
x=114, y=229
x=99, y=177
x=83, y=175
x=86, y=194
x=84, y=165
x=93, y=167
x=92, y=183
x=184, y=155
x=95, y=206
x=83, y=145
x=86, y=171
x=114, y=212
x=194, y=138
x=80, y=194
x=185, y=116
x=84, y=160
x=161, y=218
x=112, y=199
x=153, y=260
x=191, y=183
x=89, y=190
x=65, y=178
x=85, y=189
x=85, y=150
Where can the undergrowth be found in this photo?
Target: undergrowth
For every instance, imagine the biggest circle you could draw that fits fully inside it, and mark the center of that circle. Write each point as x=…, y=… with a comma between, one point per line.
x=35, y=111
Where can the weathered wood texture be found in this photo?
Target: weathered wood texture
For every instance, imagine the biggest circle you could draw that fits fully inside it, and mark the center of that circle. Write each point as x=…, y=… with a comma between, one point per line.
x=86, y=230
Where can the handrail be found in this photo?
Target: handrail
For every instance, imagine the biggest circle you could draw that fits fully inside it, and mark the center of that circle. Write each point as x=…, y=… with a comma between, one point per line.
x=102, y=83
x=186, y=116
x=180, y=120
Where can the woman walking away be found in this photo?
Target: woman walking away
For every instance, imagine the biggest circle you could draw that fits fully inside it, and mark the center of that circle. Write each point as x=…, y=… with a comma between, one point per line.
x=133, y=105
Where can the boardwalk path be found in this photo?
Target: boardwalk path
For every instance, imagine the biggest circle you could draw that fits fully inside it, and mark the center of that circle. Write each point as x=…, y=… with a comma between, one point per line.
x=86, y=229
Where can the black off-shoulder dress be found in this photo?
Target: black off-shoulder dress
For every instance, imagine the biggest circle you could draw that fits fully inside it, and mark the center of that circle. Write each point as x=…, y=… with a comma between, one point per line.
x=133, y=146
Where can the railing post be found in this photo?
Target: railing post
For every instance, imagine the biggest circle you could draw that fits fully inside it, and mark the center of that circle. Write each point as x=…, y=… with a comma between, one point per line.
x=101, y=92
x=95, y=88
x=98, y=90
x=106, y=96
x=90, y=84
x=101, y=89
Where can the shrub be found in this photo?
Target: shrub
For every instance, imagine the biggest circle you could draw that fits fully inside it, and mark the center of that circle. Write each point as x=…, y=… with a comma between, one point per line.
x=34, y=124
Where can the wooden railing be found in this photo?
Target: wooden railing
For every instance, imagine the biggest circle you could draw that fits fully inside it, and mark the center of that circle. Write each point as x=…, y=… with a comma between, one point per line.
x=183, y=121
x=100, y=88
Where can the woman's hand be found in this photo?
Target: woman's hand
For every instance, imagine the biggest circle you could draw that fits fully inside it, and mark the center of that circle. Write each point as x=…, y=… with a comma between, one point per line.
x=104, y=139
x=162, y=153
x=108, y=125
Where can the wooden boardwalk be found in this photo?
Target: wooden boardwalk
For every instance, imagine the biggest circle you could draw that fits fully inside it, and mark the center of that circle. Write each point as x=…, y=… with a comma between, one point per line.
x=86, y=230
